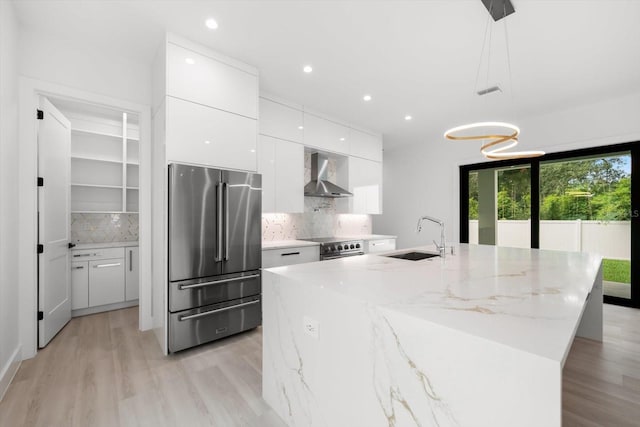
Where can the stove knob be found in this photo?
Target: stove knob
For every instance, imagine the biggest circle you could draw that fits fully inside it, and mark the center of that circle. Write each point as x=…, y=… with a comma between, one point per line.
x=357, y=245
x=327, y=250
x=351, y=246
x=340, y=247
x=332, y=248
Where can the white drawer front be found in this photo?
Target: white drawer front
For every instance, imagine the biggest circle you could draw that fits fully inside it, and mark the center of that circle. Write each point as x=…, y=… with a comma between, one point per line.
x=290, y=256
x=382, y=245
x=93, y=254
x=106, y=282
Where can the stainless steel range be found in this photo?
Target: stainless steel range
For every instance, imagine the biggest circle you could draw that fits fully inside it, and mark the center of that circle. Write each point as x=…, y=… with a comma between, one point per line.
x=337, y=247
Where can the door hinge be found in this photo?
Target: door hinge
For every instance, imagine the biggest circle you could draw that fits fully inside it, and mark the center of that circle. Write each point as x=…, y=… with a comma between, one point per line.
x=40, y=249
x=40, y=315
x=40, y=114
x=40, y=181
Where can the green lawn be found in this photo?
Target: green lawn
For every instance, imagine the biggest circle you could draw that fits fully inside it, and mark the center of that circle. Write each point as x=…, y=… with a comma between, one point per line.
x=615, y=270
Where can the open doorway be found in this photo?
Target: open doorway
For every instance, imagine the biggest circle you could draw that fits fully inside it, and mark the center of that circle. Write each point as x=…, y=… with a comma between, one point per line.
x=109, y=196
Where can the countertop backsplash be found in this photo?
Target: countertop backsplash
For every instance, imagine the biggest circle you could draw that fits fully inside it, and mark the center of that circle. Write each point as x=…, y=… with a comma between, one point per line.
x=104, y=228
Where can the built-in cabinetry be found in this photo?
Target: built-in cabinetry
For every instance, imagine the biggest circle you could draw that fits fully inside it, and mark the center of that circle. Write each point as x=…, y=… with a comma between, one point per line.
x=277, y=257
x=102, y=278
x=209, y=107
x=281, y=164
x=104, y=159
x=285, y=130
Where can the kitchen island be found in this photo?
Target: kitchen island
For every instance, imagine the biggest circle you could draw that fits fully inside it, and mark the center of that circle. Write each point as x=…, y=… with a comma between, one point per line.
x=478, y=338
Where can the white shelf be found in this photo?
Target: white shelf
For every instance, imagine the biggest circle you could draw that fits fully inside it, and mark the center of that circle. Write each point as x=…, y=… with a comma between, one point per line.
x=117, y=187
x=100, y=212
x=94, y=159
x=104, y=166
x=93, y=132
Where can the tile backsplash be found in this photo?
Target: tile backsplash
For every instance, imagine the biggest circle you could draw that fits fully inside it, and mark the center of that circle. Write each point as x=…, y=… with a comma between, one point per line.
x=104, y=228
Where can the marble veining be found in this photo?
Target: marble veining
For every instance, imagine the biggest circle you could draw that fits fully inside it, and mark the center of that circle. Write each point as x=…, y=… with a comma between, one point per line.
x=478, y=338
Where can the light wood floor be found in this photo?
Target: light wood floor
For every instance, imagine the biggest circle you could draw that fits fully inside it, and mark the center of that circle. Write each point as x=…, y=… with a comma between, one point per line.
x=101, y=371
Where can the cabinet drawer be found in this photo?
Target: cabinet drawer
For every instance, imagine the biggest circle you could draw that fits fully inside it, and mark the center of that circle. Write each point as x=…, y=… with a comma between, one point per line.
x=290, y=256
x=106, y=281
x=94, y=254
x=381, y=245
x=193, y=327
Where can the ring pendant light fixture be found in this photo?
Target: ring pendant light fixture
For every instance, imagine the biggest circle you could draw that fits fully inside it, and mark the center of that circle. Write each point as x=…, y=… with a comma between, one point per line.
x=498, y=137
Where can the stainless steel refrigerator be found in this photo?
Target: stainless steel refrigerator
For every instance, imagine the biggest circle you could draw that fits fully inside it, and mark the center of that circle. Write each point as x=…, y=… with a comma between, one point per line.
x=214, y=254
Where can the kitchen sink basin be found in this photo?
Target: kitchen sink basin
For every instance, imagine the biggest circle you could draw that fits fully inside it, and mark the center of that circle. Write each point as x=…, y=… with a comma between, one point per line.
x=413, y=255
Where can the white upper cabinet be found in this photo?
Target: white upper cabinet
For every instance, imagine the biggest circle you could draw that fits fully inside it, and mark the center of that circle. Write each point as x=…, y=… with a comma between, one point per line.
x=267, y=168
x=202, y=135
x=281, y=121
x=210, y=81
x=281, y=164
x=365, y=145
x=289, y=177
x=365, y=182
x=325, y=134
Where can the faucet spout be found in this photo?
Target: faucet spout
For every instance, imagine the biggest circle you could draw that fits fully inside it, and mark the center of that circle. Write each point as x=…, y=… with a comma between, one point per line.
x=441, y=247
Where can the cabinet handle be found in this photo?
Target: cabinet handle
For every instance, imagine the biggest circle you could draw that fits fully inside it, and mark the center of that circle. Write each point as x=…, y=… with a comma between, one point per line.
x=79, y=255
x=233, y=279
x=130, y=260
x=290, y=253
x=115, y=264
x=208, y=313
x=79, y=267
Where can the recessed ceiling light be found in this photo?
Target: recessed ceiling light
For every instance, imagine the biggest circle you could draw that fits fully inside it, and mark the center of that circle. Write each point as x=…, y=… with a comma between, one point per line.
x=408, y=118
x=300, y=127
x=211, y=24
x=207, y=142
x=307, y=69
x=367, y=98
x=190, y=61
x=252, y=150
x=342, y=139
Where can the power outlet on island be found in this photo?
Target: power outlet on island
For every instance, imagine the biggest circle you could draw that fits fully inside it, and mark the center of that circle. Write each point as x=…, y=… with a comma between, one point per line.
x=311, y=327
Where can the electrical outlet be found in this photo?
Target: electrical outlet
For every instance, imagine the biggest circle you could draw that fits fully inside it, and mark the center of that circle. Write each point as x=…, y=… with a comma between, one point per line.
x=311, y=327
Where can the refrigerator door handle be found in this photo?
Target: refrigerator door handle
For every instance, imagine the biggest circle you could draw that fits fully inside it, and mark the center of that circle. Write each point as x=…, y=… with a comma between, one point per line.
x=225, y=187
x=218, y=255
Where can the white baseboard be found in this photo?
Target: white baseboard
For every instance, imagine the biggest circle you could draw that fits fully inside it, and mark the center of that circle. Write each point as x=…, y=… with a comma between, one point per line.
x=9, y=371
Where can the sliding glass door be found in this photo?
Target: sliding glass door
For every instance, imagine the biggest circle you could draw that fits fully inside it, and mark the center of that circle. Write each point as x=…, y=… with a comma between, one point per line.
x=584, y=200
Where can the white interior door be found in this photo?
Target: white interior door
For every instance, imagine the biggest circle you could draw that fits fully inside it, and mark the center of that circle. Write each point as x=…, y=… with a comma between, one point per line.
x=54, y=284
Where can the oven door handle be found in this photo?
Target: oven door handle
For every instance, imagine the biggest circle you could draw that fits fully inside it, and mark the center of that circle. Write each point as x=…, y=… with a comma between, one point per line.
x=220, y=310
x=216, y=282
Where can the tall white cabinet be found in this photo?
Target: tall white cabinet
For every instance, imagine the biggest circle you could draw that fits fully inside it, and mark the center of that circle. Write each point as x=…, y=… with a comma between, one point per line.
x=205, y=112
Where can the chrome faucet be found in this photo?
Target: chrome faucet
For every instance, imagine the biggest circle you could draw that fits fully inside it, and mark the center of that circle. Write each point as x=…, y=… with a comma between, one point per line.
x=441, y=247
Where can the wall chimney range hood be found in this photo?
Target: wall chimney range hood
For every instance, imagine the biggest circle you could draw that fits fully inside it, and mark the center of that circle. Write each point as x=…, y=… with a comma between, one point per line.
x=319, y=186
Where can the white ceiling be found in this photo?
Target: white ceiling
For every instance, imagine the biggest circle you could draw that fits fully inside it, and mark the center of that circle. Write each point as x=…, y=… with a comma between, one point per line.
x=413, y=57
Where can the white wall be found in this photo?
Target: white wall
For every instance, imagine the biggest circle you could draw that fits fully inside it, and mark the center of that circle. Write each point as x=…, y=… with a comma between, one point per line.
x=9, y=291
x=423, y=178
x=70, y=63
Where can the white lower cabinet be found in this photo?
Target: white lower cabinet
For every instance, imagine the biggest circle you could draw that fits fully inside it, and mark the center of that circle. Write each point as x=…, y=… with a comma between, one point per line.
x=106, y=281
x=79, y=285
x=289, y=256
x=101, y=277
x=380, y=245
x=131, y=274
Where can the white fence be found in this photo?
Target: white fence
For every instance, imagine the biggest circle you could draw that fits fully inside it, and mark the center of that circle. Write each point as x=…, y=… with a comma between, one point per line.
x=610, y=239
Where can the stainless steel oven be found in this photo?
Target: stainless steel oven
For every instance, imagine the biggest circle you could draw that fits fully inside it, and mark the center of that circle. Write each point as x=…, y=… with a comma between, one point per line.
x=337, y=247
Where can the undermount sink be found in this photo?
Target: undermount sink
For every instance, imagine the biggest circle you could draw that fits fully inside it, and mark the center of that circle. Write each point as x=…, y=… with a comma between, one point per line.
x=413, y=255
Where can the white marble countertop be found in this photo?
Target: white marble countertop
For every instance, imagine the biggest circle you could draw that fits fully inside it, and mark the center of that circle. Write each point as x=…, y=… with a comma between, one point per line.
x=81, y=246
x=530, y=300
x=284, y=244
